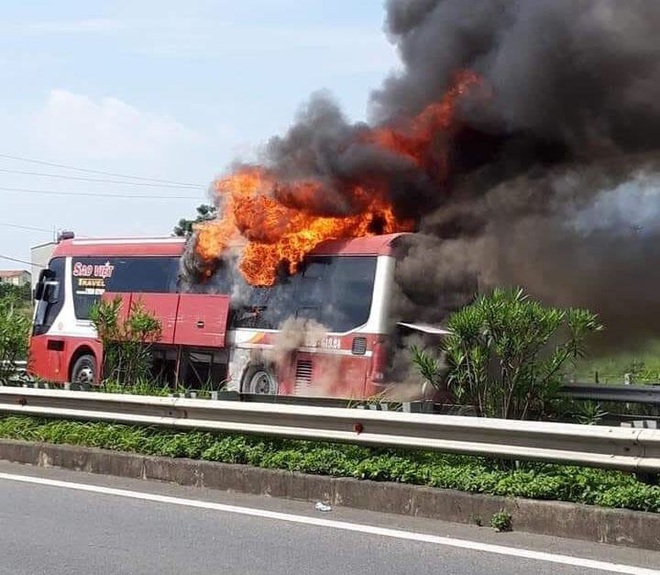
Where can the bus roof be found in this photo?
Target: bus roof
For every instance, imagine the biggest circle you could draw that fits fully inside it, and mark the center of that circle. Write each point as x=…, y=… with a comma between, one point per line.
x=174, y=246
x=113, y=247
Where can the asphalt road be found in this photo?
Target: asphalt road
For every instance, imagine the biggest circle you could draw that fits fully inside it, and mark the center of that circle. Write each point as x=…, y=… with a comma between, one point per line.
x=55, y=522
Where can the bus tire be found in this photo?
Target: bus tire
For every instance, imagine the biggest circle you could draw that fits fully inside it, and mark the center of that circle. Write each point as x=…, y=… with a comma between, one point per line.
x=83, y=374
x=259, y=379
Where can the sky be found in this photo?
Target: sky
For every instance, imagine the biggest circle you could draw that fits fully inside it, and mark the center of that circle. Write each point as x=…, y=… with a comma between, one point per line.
x=159, y=90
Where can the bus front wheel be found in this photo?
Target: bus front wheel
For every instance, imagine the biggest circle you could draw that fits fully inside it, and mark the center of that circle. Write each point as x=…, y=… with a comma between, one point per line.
x=84, y=371
x=259, y=380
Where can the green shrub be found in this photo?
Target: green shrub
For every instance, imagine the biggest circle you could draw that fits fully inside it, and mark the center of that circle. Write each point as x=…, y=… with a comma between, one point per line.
x=126, y=342
x=506, y=353
x=502, y=521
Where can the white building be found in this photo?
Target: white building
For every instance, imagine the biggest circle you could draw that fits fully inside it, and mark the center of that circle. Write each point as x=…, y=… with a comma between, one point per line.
x=39, y=257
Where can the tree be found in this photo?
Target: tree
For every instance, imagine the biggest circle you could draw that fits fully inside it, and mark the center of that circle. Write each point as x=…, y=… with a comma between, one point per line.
x=505, y=354
x=205, y=212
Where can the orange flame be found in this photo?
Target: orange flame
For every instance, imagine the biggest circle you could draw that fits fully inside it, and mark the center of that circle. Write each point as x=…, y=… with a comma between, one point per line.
x=415, y=141
x=277, y=219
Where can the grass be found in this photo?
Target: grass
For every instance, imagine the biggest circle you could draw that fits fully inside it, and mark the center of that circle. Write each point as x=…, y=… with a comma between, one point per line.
x=471, y=474
x=153, y=387
x=643, y=365
x=141, y=387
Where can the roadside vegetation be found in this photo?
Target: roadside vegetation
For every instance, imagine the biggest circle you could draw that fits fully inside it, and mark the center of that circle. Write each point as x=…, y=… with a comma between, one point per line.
x=507, y=354
x=14, y=333
x=19, y=294
x=21, y=299
x=641, y=366
x=127, y=343
x=471, y=474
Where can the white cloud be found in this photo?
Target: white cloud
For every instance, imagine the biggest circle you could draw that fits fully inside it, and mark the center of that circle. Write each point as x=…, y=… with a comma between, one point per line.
x=77, y=125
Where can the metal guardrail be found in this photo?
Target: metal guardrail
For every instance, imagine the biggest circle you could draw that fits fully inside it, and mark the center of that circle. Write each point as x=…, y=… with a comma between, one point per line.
x=17, y=370
x=643, y=394
x=647, y=394
x=610, y=447
x=19, y=365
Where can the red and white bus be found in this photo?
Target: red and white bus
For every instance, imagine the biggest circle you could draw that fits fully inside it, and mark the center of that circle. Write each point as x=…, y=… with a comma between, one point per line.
x=230, y=338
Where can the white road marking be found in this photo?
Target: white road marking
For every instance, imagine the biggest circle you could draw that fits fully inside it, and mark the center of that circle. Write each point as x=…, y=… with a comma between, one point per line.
x=343, y=525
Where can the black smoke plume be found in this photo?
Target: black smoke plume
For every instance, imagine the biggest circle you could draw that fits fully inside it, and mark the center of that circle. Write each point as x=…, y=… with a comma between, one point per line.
x=558, y=192
x=552, y=160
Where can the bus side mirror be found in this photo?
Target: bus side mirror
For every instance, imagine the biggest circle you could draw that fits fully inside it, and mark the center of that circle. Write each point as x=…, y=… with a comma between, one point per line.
x=40, y=288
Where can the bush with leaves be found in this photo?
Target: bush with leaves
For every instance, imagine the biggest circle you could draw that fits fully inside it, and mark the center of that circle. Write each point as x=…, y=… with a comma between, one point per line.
x=430, y=367
x=126, y=342
x=506, y=353
x=14, y=336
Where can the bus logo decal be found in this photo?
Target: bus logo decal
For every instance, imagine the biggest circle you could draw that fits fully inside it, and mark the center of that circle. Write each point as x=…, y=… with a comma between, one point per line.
x=103, y=271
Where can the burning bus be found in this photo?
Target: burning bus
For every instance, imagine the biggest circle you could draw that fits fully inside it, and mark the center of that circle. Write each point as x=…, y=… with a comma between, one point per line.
x=322, y=331
x=289, y=290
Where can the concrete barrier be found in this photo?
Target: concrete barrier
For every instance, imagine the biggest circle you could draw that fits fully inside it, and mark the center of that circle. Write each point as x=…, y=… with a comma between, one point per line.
x=589, y=523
